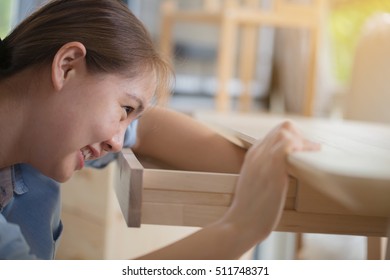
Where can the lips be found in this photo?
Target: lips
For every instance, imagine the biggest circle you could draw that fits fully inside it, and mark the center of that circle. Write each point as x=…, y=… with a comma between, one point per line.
x=85, y=154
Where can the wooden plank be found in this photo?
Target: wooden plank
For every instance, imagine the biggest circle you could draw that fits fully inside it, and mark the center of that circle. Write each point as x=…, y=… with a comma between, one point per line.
x=190, y=211
x=199, y=198
x=176, y=180
x=202, y=188
x=77, y=241
x=76, y=193
x=128, y=187
x=180, y=214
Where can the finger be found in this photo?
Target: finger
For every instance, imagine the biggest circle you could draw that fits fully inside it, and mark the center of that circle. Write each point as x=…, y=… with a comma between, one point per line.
x=300, y=142
x=311, y=145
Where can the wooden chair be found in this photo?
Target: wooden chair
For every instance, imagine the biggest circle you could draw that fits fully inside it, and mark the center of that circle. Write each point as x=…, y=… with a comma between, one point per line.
x=368, y=96
x=248, y=16
x=215, y=12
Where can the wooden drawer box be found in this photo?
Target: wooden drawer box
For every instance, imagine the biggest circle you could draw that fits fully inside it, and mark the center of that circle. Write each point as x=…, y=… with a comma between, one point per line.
x=174, y=197
x=185, y=198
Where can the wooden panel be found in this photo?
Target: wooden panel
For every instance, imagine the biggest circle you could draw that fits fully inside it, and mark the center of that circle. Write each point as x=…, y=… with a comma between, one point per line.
x=188, y=214
x=194, y=208
x=180, y=214
x=85, y=193
x=82, y=238
x=176, y=180
x=197, y=198
x=204, y=197
x=128, y=187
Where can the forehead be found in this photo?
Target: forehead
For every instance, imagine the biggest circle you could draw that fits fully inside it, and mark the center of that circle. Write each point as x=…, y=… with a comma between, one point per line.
x=141, y=87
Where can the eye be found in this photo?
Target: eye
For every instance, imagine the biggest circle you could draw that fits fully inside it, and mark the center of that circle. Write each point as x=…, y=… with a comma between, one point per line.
x=128, y=109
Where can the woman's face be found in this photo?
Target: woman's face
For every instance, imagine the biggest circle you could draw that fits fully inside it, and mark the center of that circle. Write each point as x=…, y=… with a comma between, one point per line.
x=86, y=120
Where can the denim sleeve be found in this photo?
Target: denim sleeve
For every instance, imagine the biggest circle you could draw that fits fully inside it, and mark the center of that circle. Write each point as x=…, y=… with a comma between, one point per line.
x=13, y=246
x=131, y=135
x=130, y=139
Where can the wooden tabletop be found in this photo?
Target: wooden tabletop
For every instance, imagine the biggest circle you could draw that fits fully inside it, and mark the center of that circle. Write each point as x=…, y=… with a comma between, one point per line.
x=352, y=167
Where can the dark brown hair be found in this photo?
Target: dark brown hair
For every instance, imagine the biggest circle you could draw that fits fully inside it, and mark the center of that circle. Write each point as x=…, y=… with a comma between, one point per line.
x=116, y=41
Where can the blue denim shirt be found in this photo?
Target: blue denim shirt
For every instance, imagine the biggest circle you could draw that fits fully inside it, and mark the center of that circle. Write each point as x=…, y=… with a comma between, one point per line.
x=30, y=224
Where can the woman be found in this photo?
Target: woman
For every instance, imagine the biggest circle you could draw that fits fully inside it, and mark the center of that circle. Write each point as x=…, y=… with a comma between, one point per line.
x=76, y=75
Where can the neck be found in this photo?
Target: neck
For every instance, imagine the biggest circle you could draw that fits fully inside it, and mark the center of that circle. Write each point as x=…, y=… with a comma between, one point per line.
x=13, y=115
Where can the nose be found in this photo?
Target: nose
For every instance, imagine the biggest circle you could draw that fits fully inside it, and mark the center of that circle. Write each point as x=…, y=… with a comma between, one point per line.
x=115, y=144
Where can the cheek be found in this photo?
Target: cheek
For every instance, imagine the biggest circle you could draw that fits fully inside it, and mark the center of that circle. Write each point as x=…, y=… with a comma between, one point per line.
x=95, y=119
x=104, y=129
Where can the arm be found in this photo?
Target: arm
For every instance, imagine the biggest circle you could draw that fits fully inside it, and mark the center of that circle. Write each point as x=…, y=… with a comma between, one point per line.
x=260, y=189
x=183, y=143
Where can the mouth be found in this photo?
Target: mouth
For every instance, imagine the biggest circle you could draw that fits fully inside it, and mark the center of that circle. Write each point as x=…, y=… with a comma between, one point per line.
x=86, y=154
x=89, y=153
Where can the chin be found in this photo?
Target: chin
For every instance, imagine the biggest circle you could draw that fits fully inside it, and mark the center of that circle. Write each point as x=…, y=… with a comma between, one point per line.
x=62, y=179
x=61, y=176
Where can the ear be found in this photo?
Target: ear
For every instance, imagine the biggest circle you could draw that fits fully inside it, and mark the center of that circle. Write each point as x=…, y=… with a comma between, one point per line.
x=67, y=60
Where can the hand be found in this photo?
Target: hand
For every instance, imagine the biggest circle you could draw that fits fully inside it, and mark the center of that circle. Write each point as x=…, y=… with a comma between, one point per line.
x=262, y=186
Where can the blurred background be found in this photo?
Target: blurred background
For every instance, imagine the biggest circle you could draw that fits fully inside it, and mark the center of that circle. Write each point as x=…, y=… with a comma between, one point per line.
x=280, y=66
x=281, y=53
